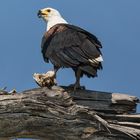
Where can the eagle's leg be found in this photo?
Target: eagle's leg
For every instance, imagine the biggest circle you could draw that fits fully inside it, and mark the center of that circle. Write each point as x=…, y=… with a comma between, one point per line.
x=55, y=70
x=77, y=83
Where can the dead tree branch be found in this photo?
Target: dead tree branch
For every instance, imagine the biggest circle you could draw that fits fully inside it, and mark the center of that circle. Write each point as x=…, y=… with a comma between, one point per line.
x=60, y=114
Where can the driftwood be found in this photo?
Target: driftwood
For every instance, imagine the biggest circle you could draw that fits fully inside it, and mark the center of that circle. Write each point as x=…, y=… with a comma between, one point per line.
x=60, y=114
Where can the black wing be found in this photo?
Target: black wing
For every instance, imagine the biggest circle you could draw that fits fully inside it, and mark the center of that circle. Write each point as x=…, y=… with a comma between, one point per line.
x=70, y=46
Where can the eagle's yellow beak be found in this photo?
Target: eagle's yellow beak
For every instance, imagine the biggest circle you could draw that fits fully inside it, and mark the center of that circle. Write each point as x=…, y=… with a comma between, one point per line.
x=42, y=13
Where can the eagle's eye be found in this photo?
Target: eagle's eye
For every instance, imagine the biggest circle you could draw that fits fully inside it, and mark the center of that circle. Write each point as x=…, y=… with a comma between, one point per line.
x=48, y=10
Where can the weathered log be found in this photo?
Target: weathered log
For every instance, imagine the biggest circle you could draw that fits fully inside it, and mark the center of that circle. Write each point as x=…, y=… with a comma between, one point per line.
x=60, y=114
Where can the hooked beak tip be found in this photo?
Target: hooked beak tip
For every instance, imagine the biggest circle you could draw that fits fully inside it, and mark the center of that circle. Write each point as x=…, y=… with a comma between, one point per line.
x=39, y=14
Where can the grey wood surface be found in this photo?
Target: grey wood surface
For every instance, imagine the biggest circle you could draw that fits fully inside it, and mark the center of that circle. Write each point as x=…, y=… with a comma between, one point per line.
x=61, y=114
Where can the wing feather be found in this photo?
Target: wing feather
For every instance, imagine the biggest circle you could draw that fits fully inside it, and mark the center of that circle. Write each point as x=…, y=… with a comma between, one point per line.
x=70, y=46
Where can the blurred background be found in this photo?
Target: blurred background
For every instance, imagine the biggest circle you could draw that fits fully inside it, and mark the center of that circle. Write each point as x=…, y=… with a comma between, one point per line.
x=115, y=23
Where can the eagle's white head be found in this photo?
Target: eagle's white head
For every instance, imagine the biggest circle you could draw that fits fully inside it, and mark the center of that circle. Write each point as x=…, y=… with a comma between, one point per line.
x=51, y=17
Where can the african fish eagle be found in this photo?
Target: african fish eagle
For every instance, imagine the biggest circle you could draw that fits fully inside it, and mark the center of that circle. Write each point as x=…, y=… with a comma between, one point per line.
x=69, y=46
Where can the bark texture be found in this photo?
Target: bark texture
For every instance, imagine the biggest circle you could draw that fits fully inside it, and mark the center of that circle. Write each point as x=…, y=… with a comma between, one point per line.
x=60, y=114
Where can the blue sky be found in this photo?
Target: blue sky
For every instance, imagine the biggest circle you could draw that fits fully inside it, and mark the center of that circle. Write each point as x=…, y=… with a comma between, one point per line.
x=115, y=23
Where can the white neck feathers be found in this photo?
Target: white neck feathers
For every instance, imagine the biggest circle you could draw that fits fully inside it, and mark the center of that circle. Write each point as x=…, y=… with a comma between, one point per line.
x=55, y=20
